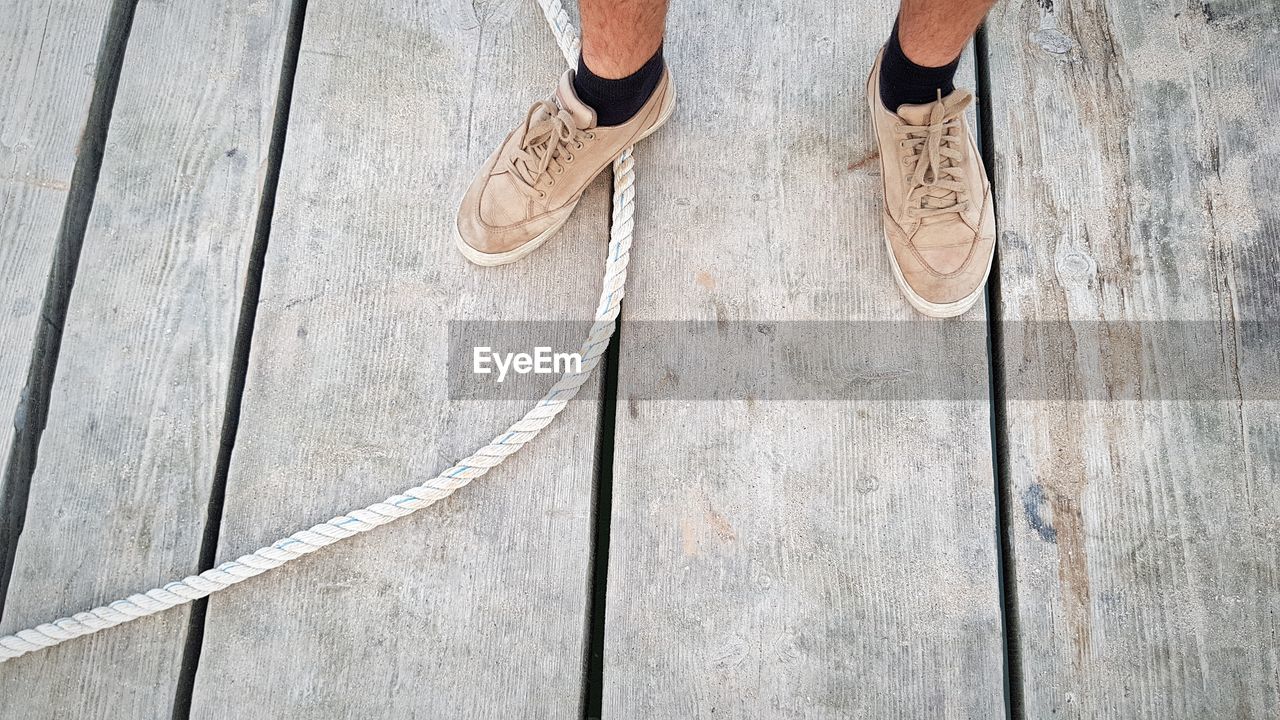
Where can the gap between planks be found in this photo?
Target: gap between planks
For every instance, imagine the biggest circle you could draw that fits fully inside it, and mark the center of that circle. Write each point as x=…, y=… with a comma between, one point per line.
x=240, y=356
x=1005, y=571
x=602, y=507
x=33, y=409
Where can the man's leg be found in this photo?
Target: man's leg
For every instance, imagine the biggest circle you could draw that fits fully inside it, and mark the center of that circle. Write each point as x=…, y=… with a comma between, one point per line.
x=621, y=60
x=924, y=48
x=620, y=93
x=619, y=36
x=939, y=224
x=934, y=32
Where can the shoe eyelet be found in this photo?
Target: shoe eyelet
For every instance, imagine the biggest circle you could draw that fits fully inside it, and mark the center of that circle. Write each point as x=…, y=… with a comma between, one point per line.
x=551, y=181
x=568, y=158
x=577, y=146
x=591, y=136
x=541, y=194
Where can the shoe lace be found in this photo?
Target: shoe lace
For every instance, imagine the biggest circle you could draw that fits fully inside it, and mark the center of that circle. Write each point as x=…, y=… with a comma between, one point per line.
x=546, y=136
x=936, y=151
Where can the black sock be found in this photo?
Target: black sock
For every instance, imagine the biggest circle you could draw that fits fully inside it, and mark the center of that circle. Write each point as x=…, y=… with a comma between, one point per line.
x=903, y=82
x=617, y=101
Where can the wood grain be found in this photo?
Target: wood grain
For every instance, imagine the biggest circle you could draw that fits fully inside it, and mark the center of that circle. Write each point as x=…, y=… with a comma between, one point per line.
x=1131, y=151
x=475, y=608
x=119, y=498
x=781, y=558
x=48, y=55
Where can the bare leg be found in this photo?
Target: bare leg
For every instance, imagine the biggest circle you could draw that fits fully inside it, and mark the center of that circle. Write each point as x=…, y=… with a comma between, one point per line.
x=618, y=36
x=933, y=32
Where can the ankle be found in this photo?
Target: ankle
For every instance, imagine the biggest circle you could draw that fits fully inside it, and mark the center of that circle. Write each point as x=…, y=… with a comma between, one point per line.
x=903, y=82
x=617, y=101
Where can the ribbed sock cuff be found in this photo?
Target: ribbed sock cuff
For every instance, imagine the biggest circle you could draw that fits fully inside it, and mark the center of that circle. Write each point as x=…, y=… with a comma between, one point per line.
x=617, y=101
x=903, y=82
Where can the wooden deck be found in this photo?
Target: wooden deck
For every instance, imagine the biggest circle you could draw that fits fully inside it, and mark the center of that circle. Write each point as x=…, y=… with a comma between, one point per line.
x=227, y=281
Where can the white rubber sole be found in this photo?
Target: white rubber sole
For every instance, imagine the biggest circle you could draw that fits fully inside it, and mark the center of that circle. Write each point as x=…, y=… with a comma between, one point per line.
x=484, y=259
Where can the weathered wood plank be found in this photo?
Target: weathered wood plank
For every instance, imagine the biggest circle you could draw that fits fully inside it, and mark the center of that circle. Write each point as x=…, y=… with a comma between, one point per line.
x=775, y=557
x=1133, y=154
x=120, y=494
x=48, y=52
x=476, y=607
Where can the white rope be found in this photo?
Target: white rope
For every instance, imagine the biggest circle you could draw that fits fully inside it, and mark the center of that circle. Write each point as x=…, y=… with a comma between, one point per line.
x=415, y=498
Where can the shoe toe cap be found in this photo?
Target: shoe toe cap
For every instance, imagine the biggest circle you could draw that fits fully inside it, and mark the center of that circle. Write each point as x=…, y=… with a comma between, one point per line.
x=945, y=252
x=942, y=270
x=500, y=204
x=477, y=229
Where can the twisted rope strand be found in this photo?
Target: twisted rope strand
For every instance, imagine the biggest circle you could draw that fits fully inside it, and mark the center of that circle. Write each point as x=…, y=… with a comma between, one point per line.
x=417, y=497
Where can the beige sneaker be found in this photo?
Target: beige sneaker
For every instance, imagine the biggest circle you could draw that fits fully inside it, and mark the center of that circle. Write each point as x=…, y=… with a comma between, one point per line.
x=938, y=221
x=530, y=185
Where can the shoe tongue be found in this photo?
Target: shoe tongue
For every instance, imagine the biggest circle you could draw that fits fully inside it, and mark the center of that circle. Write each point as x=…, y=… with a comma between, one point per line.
x=919, y=114
x=583, y=115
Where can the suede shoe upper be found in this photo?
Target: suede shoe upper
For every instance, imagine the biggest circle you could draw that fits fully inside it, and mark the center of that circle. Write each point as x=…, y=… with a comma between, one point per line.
x=939, y=221
x=532, y=182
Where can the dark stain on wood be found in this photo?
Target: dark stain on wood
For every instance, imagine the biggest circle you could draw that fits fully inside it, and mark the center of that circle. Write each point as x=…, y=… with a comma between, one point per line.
x=1064, y=486
x=1033, y=504
x=865, y=162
